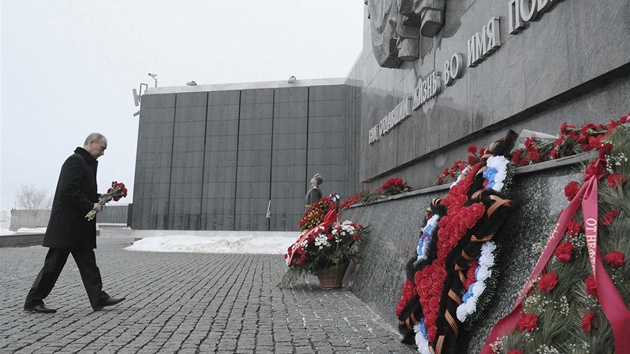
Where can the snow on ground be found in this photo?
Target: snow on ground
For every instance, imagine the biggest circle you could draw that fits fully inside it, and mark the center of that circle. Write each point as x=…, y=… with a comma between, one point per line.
x=4, y=231
x=267, y=244
x=214, y=244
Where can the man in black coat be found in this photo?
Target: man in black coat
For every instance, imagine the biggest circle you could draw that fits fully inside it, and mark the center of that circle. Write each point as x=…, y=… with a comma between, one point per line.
x=69, y=232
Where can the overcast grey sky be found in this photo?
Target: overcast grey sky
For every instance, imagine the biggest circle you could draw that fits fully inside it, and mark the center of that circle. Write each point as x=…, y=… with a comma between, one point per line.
x=68, y=68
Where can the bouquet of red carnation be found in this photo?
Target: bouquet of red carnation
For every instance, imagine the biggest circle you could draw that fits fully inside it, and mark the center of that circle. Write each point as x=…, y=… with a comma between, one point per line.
x=315, y=214
x=393, y=186
x=115, y=192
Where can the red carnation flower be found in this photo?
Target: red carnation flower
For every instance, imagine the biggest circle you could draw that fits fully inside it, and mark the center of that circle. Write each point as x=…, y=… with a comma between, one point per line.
x=611, y=126
x=432, y=332
x=595, y=142
x=606, y=148
x=407, y=294
x=528, y=323
x=472, y=149
x=588, y=322
x=533, y=155
x=548, y=282
x=591, y=285
x=516, y=156
x=609, y=217
x=588, y=128
x=564, y=251
x=530, y=142
x=565, y=128
x=573, y=228
x=571, y=190
x=615, y=179
x=615, y=259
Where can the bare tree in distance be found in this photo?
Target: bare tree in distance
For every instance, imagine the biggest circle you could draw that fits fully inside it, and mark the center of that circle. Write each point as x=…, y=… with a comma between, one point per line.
x=31, y=198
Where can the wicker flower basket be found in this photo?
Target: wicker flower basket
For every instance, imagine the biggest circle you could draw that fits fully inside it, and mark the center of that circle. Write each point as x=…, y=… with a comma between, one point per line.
x=331, y=278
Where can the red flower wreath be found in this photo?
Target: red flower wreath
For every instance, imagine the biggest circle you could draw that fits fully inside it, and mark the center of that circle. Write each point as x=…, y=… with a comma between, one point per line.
x=452, y=227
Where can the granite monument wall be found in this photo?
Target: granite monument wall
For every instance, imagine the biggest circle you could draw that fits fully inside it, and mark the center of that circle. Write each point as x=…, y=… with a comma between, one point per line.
x=396, y=223
x=567, y=62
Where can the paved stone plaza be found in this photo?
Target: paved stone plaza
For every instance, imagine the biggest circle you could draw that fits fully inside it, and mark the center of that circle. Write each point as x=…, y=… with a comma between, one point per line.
x=184, y=303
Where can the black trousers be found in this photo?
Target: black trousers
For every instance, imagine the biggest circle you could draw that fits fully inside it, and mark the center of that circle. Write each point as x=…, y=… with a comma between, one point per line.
x=53, y=265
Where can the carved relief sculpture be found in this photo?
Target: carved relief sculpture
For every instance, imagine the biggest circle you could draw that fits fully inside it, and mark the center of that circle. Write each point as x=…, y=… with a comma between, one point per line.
x=396, y=26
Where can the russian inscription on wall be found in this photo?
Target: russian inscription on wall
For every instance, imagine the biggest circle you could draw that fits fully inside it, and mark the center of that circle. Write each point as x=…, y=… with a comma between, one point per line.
x=387, y=41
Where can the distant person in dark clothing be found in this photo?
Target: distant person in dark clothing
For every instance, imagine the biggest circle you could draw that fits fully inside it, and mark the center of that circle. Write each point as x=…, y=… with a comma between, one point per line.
x=314, y=193
x=69, y=232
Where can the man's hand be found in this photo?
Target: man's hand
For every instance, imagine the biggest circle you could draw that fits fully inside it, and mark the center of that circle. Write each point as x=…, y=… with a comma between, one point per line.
x=97, y=207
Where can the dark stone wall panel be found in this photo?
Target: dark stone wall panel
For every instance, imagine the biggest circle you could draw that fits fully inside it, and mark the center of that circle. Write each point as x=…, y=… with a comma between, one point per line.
x=599, y=38
x=219, y=174
x=153, y=159
x=254, y=159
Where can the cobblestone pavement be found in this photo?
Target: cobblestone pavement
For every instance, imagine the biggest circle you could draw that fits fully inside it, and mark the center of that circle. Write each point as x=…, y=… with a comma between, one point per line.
x=184, y=303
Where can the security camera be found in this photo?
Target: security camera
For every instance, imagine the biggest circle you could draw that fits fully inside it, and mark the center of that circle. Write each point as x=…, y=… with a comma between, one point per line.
x=154, y=79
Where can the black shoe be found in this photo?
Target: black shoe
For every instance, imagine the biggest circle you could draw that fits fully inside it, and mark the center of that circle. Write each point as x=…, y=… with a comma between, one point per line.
x=109, y=302
x=41, y=308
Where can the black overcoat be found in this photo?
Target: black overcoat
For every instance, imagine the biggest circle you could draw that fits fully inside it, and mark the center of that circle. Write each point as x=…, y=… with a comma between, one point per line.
x=75, y=196
x=313, y=195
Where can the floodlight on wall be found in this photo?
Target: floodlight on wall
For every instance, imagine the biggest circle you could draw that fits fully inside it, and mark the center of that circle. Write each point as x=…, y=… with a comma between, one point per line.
x=191, y=83
x=154, y=78
x=137, y=94
x=292, y=79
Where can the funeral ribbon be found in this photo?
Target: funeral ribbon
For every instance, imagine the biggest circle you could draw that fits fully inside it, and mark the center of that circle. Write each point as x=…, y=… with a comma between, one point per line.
x=612, y=304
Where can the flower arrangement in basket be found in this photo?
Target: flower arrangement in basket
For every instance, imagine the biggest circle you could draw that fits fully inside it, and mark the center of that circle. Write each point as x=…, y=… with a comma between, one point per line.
x=314, y=215
x=115, y=192
x=323, y=246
